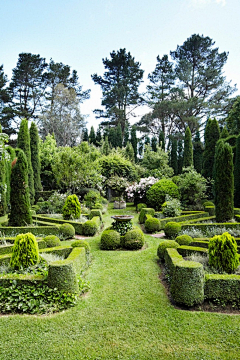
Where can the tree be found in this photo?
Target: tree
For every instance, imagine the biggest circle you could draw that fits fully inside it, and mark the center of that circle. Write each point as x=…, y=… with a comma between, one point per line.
x=173, y=157
x=92, y=136
x=5, y=113
x=154, y=143
x=134, y=141
x=188, y=149
x=3, y=176
x=23, y=142
x=20, y=214
x=211, y=136
x=85, y=136
x=35, y=157
x=129, y=152
x=48, y=150
x=233, y=119
x=197, y=153
x=224, y=133
x=161, y=140
x=224, y=182
x=180, y=156
x=156, y=163
x=8, y=166
x=63, y=118
x=119, y=137
x=237, y=174
x=105, y=147
x=98, y=136
x=119, y=84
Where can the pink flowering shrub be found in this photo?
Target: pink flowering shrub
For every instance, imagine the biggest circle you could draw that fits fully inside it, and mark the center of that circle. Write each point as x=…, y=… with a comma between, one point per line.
x=137, y=191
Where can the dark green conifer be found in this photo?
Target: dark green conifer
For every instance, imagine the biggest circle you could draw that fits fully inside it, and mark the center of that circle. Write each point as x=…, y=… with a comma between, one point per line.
x=12, y=156
x=197, y=153
x=237, y=174
x=134, y=141
x=147, y=140
x=119, y=137
x=161, y=140
x=85, y=135
x=173, y=157
x=20, y=214
x=129, y=152
x=106, y=148
x=35, y=157
x=224, y=133
x=3, y=183
x=154, y=143
x=211, y=136
x=223, y=182
x=98, y=136
x=92, y=136
x=188, y=149
x=23, y=143
x=126, y=134
x=180, y=156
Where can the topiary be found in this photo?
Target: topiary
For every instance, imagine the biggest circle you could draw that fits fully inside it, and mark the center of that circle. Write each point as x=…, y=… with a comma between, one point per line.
x=152, y=224
x=95, y=212
x=134, y=239
x=52, y=241
x=158, y=191
x=172, y=229
x=208, y=203
x=223, y=253
x=71, y=208
x=165, y=245
x=142, y=216
x=90, y=228
x=25, y=251
x=91, y=198
x=67, y=231
x=141, y=206
x=110, y=240
x=98, y=206
x=82, y=243
x=184, y=239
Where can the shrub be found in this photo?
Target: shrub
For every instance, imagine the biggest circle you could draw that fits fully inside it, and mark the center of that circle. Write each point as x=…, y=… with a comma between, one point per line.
x=141, y=206
x=152, y=224
x=134, y=239
x=82, y=243
x=171, y=207
x=90, y=227
x=110, y=240
x=184, y=239
x=98, y=206
x=52, y=241
x=25, y=251
x=208, y=203
x=67, y=231
x=172, y=229
x=166, y=244
x=91, y=198
x=223, y=253
x=157, y=193
x=71, y=208
x=95, y=212
x=142, y=216
x=137, y=191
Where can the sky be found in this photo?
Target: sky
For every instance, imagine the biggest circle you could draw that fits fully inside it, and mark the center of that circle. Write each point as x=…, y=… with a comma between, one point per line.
x=80, y=33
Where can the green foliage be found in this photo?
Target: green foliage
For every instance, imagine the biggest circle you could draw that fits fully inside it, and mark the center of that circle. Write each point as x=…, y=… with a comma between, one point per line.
x=67, y=231
x=71, y=208
x=188, y=149
x=156, y=163
x=223, y=254
x=48, y=150
x=90, y=227
x=197, y=153
x=173, y=156
x=129, y=152
x=237, y=174
x=110, y=240
x=161, y=140
x=115, y=164
x=180, y=156
x=211, y=136
x=233, y=119
x=92, y=136
x=222, y=289
x=224, y=182
x=152, y=224
x=23, y=143
x=171, y=207
x=166, y=244
x=143, y=214
x=140, y=206
x=82, y=243
x=25, y=251
x=53, y=205
x=172, y=229
x=19, y=196
x=98, y=206
x=184, y=239
x=52, y=241
x=224, y=133
x=95, y=212
x=134, y=239
x=158, y=191
x=35, y=156
x=154, y=142
x=91, y=198
x=208, y=203
x=122, y=226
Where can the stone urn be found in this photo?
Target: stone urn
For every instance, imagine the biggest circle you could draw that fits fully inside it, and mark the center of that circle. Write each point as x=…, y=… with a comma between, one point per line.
x=119, y=204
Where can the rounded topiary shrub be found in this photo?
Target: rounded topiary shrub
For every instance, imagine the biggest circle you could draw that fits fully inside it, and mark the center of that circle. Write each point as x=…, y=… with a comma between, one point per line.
x=82, y=243
x=90, y=228
x=71, y=208
x=98, y=206
x=165, y=245
x=110, y=240
x=158, y=191
x=223, y=253
x=208, y=203
x=143, y=214
x=67, y=231
x=134, y=239
x=172, y=229
x=152, y=224
x=52, y=241
x=141, y=206
x=184, y=239
x=25, y=251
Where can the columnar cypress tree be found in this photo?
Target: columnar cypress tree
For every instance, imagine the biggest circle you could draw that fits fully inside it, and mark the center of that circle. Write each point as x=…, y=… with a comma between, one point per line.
x=35, y=157
x=224, y=182
x=129, y=152
x=154, y=143
x=92, y=136
x=85, y=135
x=161, y=140
x=23, y=143
x=197, y=153
x=180, y=156
x=119, y=137
x=105, y=147
x=98, y=136
x=12, y=156
x=224, y=133
x=188, y=149
x=134, y=141
x=3, y=184
x=237, y=174
x=211, y=136
x=173, y=158
x=126, y=134
x=20, y=214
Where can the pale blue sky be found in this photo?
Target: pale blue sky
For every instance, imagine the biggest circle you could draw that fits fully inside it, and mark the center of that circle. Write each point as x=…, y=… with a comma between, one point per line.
x=80, y=33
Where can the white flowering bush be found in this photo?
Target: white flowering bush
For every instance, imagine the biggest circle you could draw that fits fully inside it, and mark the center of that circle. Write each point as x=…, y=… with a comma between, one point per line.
x=137, y=191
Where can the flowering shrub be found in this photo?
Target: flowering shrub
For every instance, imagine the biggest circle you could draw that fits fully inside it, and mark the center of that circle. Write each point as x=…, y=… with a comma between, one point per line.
x=137, y=191
x=171, y=207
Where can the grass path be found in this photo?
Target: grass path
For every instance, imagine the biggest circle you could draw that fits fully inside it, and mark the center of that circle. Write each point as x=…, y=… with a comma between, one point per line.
x=126, y=315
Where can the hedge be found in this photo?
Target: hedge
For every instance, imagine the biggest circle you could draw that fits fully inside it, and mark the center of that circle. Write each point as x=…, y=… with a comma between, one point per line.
x=91, y=227
x=151, y=224
x=64, y=251
x=210, y=210
x=95, y=212
x=142, y=216
x=183, y=218
x=204, y=227
x=6, y=280
x=77, y=226
x=190, y=250
x=6, y=249
x=224, y=288
x=200, y=243
x=35, y=230
x=203, y=219
x=171, y=258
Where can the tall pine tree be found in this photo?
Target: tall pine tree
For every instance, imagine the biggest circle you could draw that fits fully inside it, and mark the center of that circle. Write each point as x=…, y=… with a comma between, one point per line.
x=98, y=136
x=188, y=149
x=35, y=157
x=3, y=184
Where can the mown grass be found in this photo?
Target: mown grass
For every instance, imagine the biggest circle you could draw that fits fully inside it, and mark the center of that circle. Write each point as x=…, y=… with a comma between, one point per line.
x=126, y=315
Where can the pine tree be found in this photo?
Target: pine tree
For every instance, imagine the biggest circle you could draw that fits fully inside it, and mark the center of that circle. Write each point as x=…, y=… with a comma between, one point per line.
x=134, y=141
x=180, y=156
x=20, y=214
x=224, y=182
x=211, y=136
x=3, y=184
x=23, y=142
x=98, y=136
x=92, y=136
x=129, y=152
x=188, y=149
x=161, y=140
x=197, y=153
x=224, y=133
x=173, y=158
x=154, y=143
x=35, y=157
x=85, y=135
x=237, y=174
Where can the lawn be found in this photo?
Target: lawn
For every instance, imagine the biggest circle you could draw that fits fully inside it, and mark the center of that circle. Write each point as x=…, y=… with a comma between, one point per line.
x=125, y=315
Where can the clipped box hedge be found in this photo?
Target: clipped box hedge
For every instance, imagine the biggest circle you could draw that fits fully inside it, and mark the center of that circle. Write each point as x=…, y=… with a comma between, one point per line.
x=203, y=219
x=171, y=258
x=143, y=214
x=182, y=218
x=190, y=250
x=64, y=251
x=200, y=243
x=203, y=227
x=225, y=288
x=210, y=210
x=6, y=280
x=77, y=226
x=35, y=230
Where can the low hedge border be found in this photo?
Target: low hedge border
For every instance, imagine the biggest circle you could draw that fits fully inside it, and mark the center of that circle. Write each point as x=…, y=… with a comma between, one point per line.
x=236, y=211
x=91, y=227
x=201, y=244
x=35, y=230
x=171, y=258
x=6, y=280
x=64, y=251
x=190, y=250
x=77, y=226
x=200, y=220
x=204, y=227
x=224, y=288
x=182, y=218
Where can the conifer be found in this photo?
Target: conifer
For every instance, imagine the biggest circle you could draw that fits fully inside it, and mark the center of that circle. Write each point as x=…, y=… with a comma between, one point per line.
x=188, y=149
x=211, y=136
x=35, y=157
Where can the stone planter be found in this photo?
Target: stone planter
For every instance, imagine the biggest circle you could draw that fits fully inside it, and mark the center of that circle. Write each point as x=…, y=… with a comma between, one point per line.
x=119, y=205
